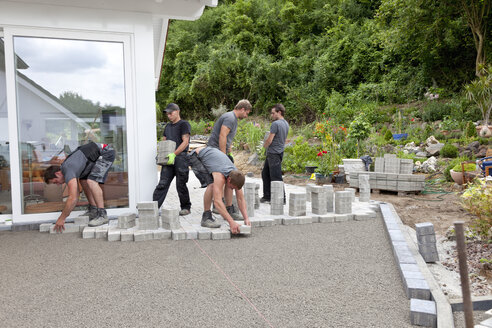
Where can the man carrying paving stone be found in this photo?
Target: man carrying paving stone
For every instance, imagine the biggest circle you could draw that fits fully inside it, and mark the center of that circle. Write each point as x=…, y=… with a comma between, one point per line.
x=274, y=145
x=89, y=164
x=223, y=133
x=177, y=165
x=215, y=171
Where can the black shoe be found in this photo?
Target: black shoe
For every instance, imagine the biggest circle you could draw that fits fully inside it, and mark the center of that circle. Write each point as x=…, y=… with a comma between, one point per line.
x=208, y=220
x=233, y=213
x=264, y=200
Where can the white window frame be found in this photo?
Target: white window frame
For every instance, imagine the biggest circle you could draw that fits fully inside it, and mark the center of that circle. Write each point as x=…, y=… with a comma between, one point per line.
x=128, y=44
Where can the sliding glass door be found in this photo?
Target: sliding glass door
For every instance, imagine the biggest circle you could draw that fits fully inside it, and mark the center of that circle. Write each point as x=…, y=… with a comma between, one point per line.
x=67, y=92
x=5, y=190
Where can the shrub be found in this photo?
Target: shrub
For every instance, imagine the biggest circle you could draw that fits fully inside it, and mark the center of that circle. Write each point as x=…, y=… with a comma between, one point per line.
x=470, y=130
x=198, y=127
x=450, y=166
x=250, y=134
x=449, y=150
x=435, y=111
x=388, y=135
x=477, y=199
x=467, y=167
x=298, y=155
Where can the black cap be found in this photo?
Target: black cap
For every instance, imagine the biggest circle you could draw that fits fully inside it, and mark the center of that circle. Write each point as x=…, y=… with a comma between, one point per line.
x=171, y=108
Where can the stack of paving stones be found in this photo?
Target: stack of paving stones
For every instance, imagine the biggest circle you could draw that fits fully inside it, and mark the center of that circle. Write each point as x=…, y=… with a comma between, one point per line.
x=297, y=204
x=257, y=196
x=422, y=307
x=364, y=188
x=148, y=215
x=164, y=148
x=277, y=198
x=330, y=193
x=309, y=189
x=391, y=173
x=319, y=200
x=352, y=193
x=249, y=197
x=426, y=238
x=127, y=220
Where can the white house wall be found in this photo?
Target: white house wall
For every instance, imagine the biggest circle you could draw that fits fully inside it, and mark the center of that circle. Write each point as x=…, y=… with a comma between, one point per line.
x=64, y=22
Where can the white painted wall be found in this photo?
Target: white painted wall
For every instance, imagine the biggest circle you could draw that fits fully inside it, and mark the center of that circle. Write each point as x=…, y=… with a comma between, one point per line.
x=137, y=31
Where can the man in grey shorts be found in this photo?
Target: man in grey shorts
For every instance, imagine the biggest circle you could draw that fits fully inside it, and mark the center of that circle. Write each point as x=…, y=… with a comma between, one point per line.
x=215, y=171
x=90, y=164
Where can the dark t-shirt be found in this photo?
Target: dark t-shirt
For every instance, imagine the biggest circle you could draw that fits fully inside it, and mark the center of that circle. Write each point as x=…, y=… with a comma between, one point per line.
x=176, y=131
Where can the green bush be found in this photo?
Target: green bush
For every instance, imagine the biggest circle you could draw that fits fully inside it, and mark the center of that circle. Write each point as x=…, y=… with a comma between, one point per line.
x=198, y=127
x=468, y=167
x=297, y=156
x=250, y=134
x=470, y=130
x=451, y=164
x=449, y=150
x=388, y=135
x=435, y=111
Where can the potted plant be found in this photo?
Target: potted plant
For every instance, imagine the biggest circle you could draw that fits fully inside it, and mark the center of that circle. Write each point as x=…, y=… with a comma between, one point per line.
x=324, y=172
x=310, y=167
x=480, y=92
x=457, y=174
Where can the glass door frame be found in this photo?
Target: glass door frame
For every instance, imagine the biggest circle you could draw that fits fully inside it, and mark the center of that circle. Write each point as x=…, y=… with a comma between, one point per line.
x=16, y=176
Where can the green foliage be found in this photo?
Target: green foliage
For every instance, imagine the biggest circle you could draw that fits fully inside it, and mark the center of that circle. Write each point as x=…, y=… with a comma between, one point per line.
x=412, y=156
x=470, y=130
x=467, y=167
x=435, y=111
x=450, y=165
x=201, y=127
x=388, y=135
x=477, y=199
x=449, y=151
x=249, y=134
x=480, y=92
x=297, y=156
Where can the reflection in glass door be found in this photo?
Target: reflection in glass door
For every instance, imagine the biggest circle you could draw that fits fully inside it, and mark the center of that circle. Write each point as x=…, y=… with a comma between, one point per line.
x=5, y=192
x=68, y=92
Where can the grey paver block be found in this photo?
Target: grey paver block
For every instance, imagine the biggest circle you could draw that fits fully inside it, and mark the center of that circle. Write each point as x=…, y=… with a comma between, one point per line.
x=45, y=227
x=425, y=228
x=341, y=217
x=69, y=228
x=89, y=233
x=396, y=235
x=126, y=235
x=423, y=313
x=143, y=235
x=220, y=234
x=114, y=235
x=101, y=232
x=290, y=221
x=82, y=219
x=328, y=218
x=178, y=234
x=417, y=288
x=162, y=234
x=245, y=230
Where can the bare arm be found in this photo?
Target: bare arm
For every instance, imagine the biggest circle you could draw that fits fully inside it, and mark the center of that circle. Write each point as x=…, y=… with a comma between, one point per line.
x=241, y=202
x=183, y=145
x=218, y=187
x=224, y=132
x=73, y=193
x=268, y=141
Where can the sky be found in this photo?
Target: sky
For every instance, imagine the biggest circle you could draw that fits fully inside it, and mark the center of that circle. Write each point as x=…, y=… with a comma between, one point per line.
x=92, y=69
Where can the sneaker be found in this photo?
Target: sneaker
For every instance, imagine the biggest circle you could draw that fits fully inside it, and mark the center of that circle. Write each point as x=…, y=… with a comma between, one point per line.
x=236, y=216
x=91, y=212
x=208, y=221
x=264, y=200
x=184, y=212
x=102, y=218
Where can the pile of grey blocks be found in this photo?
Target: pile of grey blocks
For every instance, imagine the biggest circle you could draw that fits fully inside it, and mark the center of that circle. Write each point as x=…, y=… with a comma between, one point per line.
x=297, y=204
x=164, y=148
x=426, y=238
x=364, y=188
x=391, y=173
x=352, y=193
x=319, y=200
x=78, y=225
x=127, y=220
x=170, y=219
x=343, y=202
x=330, y=193
x=277, y=198
x=249, y=197
x=148, y=215
x=257, y=196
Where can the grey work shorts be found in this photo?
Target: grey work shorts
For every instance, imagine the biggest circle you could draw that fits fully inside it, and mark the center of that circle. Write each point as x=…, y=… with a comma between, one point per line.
x=98, y=170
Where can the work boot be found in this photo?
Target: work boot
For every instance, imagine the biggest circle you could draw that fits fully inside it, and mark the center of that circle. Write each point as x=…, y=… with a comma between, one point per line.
x=102, y=218
x=91, y=212
x=184, y=212
x=264, y=200
x=208, y=221
x=236, y=216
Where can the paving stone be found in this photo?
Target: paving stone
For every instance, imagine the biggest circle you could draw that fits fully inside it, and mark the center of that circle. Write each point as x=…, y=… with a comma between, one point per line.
x=127, y=220
x=413, y=275
x=290, y=221
x=22, y=227
x=114, y=235
x=89, y=233
x=396, y=235
x=417, y=288
x=245, y=230
x=162, y=234
x=143, y=235
x=149, y=206
x=45, y=227
x=362, y=216
x=341, y=217
x=304, y=220
x=82, y=227
x=178, y=234
x=220, y=234
x=425, y=228
x=423, y=313
x=267, y=222
x=126, y=235
x=328, y=218
x=101, y=232
x=82, y=219
x=191, y=234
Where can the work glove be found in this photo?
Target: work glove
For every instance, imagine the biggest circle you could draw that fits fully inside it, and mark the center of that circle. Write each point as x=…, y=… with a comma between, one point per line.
x=231, y=157
x=171, y=159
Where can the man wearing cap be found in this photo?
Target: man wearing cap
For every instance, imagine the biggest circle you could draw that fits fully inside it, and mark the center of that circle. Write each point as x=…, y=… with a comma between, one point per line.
x=177, y=130
x=223, y=133
x=89, y=164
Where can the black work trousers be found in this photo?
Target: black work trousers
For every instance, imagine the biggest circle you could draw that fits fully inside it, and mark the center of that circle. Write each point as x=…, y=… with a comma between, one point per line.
x=272, y=171
x=179, y=170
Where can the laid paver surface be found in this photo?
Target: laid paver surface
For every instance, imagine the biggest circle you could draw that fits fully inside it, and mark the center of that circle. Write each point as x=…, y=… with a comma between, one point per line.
x=316, y=275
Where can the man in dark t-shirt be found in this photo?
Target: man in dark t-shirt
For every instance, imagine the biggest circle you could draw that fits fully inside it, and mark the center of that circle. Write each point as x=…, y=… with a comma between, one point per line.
x=179, y=131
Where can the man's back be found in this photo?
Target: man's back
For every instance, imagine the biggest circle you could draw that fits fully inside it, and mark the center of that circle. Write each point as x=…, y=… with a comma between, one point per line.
x=229, y=120
x=280, y=128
